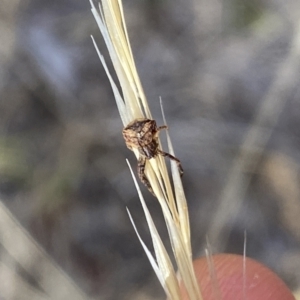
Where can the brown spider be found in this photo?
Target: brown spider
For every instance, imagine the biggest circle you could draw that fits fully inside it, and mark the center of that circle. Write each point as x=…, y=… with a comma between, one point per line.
x=142, y=134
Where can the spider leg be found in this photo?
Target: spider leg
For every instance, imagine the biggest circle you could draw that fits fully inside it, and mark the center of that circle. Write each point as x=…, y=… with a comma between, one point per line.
x=142, y=175
x=162, y=127
x=180, y=169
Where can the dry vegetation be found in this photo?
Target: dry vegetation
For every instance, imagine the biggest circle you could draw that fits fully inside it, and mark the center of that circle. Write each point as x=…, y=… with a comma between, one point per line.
x=229, y=78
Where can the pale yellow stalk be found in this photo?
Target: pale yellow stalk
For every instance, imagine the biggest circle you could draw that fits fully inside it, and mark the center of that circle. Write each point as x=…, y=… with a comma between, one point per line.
x=132, y=105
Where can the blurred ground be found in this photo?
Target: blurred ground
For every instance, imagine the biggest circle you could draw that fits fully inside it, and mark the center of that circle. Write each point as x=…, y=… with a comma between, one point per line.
x=228, y=73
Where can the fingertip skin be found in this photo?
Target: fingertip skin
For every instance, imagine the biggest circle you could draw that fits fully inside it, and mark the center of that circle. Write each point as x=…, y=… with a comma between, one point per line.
x=259, y=282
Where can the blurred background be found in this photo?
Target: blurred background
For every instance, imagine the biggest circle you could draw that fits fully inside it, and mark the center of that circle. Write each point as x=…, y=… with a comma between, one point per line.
x=228, y=73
